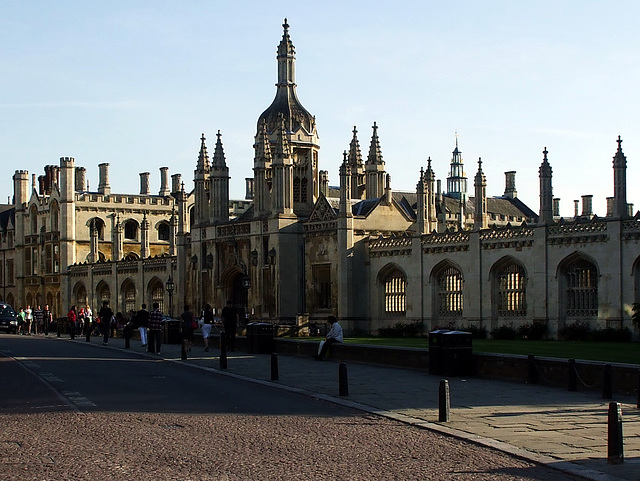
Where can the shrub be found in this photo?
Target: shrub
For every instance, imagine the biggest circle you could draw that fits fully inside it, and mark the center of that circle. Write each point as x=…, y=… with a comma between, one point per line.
x=612, y=335
x=578, y=331
x=477, y=332
x=401, y=329
x=505, y=332
x=535, y=331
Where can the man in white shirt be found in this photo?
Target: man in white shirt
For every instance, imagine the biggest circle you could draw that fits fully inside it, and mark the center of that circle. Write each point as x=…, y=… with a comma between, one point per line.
x=334, y=335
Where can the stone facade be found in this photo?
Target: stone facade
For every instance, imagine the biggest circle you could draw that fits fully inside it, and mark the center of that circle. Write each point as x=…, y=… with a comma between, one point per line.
x=297, y=248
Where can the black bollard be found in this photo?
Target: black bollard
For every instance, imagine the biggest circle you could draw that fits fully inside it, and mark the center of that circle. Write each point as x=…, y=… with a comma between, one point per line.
x=607, y=382
x=223, y=351
x=58, y=328
x=533, y=371
x=573, y=379
x=615, y=453
x=89, y=328
x=183, y=351
x=638, y=403
x=343, y=383
x=127, y=338
x=274, y=366
x=444, y=402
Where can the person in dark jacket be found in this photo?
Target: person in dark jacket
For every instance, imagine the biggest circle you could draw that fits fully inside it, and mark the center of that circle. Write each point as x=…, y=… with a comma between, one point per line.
x=105, y=315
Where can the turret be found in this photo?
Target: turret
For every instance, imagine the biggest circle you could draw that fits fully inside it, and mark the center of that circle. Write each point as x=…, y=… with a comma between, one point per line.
x=219, y=207
x=374, y=168
x=457, y=179
x=201, y=185
x=620, y=208
x=480, y=219
x=546, y=190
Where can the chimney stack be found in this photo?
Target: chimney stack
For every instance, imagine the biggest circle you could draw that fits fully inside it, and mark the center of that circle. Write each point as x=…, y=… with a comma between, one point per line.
x=103, y=185
x=586, y=205
x=144, y=183
x=176, y=179
x=164, y=182
x=510, y=184
x=81, y=178
x=556, y=207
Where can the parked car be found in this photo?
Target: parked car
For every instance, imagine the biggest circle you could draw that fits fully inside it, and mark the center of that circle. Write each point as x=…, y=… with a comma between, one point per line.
x=8, y=320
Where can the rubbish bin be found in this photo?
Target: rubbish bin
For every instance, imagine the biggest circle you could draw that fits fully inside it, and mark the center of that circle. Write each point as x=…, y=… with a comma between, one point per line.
x=260, y=337
x=456, y=353
x=435, y=351
x=172, y=331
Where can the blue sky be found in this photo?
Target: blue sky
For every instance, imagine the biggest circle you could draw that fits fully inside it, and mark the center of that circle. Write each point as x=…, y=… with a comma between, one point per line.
x=135, y=83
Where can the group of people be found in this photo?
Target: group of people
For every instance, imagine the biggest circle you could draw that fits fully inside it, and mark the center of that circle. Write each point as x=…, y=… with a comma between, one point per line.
x=149, y=324
x=34, y=321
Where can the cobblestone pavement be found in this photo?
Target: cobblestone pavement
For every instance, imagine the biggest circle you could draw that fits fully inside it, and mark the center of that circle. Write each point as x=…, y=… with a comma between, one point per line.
x=539, y=426
x=71, y=446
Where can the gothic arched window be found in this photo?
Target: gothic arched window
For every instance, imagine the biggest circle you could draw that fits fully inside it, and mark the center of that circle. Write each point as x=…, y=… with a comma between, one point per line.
x=449, y=283
x=580, y=289
x=395, y=284
x=512, y=291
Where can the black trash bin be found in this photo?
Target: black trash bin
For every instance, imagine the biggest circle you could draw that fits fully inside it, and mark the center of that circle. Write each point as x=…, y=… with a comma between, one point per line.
x=260, y=337
x=172, y=331
x=435, y=351
x=456, y=353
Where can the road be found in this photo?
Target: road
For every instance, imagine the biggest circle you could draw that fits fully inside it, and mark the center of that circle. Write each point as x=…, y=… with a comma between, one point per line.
x=72, y=410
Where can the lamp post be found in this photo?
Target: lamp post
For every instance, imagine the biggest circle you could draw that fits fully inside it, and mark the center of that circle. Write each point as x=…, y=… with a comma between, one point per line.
x=170, y=287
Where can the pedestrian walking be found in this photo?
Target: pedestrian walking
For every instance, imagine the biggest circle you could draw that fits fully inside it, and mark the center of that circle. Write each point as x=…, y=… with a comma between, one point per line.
x=72, y=318
x=38, y=319
x=187, y=325
x=20, y=319
x=230, y=321
x=81, y=321
x=105, y=315
x=207, y=324
x=47, y=319
x=142, y=323
x=88, y=320
x=155, y=328
x=28, y=319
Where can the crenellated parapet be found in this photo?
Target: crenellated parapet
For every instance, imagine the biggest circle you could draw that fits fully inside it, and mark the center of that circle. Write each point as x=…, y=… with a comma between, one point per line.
x=390, y=246
x=578, y=233
x=449, y=241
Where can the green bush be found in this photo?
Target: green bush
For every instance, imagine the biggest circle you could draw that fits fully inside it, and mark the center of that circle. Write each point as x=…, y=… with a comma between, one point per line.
x=477, y=332
x=535, y=331
x=505, y=332
x=402, y=329
x=577, y=331
x=612, y=335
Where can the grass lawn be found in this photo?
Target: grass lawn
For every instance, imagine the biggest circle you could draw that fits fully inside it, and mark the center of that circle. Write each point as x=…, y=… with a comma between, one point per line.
x=625, y=352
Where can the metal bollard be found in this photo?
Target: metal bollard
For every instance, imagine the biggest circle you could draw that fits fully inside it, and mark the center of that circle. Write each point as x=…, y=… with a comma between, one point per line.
x=533, y=371
x=58, y=328
x=607, y=382
x=89, y=329
x=444, y=402
x=127, y=339
x=183, y=351
x=274, y=366
x=615, y=453
x=638, y=403
x=342, y=379
x=573, y=380
x=223, y=350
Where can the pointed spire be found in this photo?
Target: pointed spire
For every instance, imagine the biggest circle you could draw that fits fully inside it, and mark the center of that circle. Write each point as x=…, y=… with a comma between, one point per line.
x=203, y=157
x=286, y=58
x=619, y=160
x=545, y=168
x=263, y=147
x=355, y=156
x=375, y=153
x=282, y=144
x=218, y=161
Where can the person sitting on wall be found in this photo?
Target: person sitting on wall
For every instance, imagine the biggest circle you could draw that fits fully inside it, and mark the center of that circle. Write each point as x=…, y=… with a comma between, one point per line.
x=334, y=335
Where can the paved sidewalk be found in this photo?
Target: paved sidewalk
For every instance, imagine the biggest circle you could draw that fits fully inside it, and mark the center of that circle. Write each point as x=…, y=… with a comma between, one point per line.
x=567, y=430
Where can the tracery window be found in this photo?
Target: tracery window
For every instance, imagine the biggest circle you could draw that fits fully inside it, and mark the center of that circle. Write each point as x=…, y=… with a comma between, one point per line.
x=157, y=295
x=395, y=293
x=163, y=231
x=296, y=189
x=581, y=292
x=130, y=298
x=131, y=230
x=450, y=293
x=512, y=291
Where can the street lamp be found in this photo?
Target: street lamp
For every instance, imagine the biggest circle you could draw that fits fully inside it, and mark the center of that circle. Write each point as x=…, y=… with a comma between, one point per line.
x=170, y=287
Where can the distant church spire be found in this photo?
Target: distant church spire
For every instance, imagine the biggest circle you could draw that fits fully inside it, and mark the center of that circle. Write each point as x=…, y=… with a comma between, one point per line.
x=457, y=180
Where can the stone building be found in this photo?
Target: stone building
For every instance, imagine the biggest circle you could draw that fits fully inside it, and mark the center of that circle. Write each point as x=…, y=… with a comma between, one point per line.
x=298, y=249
